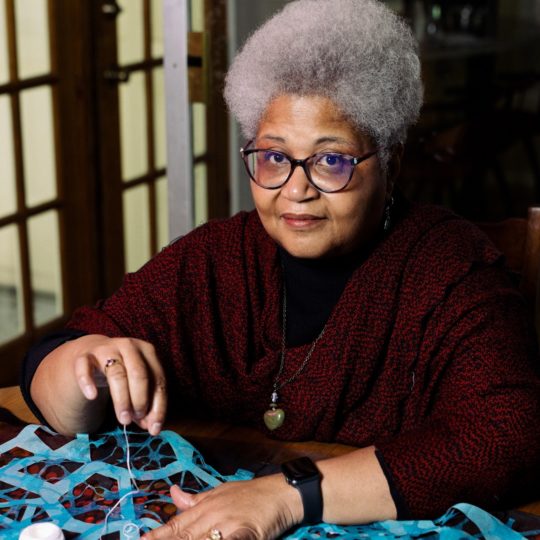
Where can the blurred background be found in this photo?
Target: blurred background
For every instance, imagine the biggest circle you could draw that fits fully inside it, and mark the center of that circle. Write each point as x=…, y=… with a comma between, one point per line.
x=83, y=135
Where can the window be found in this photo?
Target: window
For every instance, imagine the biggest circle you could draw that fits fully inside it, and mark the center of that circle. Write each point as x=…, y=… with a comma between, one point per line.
x=32, y=206
x=83, y=190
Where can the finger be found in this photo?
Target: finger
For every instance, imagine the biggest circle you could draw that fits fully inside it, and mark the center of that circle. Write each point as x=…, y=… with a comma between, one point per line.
x=117, y=379
x=84, y=374
x=243, y=533
x=156, y=416
x=139, y=375
x=168, y=531
x=176, y=528
x=193, y=522
x=182, y=499
x=158, y=406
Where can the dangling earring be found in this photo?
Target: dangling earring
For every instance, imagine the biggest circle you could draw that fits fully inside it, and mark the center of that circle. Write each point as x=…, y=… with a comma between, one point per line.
x=388, y=215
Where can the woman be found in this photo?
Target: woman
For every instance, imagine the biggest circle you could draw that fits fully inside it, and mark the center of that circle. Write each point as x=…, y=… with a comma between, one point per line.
x=341, y=311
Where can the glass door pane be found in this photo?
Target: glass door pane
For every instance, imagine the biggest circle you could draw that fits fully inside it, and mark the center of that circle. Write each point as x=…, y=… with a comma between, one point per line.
x=136, y=227
x=200, y=170
x=160, y=142
x=197, y=15
x=198, y=129
x=11, y=291
x=200, y=178
x=32, y=31
x=157, y=28
x=38, y=145
x=130, y=28
x=4, y=71
x=133, y=126
x=162, y=213
x=8, y=203
x=45, y=267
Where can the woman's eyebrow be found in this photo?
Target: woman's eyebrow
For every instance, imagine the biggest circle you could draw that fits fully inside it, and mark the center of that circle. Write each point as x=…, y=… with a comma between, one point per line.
x=327, y=139
x=320, y=140
x=271, y=138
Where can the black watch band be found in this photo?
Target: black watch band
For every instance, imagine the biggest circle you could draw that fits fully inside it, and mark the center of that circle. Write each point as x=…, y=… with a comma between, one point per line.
x=303, y=474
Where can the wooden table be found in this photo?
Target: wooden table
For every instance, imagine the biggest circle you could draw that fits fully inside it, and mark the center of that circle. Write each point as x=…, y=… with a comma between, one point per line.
x=226, y=447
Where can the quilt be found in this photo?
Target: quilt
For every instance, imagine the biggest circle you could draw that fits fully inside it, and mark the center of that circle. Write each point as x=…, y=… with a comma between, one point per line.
x=115, y=486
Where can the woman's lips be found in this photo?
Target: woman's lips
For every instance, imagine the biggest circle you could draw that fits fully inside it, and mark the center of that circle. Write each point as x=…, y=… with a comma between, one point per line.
x=301, y=221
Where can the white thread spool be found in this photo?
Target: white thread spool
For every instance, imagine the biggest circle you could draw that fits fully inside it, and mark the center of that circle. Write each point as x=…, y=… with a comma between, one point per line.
x=42, y=531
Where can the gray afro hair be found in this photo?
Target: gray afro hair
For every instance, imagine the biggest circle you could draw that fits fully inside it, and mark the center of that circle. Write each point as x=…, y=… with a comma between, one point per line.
x=358, y=53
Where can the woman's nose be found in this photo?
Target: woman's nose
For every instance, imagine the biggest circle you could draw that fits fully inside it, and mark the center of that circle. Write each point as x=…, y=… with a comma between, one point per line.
x=298, y=187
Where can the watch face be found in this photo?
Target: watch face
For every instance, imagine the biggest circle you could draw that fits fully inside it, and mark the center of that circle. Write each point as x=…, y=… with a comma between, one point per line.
x=300, y=470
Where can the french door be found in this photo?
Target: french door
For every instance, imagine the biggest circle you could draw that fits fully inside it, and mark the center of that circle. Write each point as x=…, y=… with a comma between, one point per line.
x=83, y=180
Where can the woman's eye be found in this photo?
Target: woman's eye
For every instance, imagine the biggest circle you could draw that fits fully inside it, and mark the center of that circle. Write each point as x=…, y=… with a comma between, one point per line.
x=331, y=160
x=274, y=157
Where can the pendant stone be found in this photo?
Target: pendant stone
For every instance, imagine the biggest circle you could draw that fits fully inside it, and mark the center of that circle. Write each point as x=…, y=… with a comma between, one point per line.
x=274, y=417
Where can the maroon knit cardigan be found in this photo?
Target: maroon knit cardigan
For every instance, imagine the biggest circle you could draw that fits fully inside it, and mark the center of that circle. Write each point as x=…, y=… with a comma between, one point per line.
x=428, y=353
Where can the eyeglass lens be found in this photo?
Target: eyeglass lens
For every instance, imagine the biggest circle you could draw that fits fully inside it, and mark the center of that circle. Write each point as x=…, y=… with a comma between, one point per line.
x=329, y=172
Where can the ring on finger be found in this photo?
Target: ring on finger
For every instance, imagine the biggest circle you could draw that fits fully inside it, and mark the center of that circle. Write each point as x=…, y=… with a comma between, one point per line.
x=110, y=362
x=215, y=534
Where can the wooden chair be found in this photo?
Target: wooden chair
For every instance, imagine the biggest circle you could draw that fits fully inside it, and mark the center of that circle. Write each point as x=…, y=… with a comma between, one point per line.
x=449, y=163
x=519, y=240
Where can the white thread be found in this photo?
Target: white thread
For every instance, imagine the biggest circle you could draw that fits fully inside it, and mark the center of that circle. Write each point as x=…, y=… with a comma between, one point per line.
x=128, y=459
x=119, y=501
x=130, y=529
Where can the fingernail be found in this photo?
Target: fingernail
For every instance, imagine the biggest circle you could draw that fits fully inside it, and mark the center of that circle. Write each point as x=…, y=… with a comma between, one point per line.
x=88, y=391
x=155, y=429
x=125, y=418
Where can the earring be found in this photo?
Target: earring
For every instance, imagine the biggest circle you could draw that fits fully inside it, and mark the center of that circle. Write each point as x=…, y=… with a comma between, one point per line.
x=388, y=215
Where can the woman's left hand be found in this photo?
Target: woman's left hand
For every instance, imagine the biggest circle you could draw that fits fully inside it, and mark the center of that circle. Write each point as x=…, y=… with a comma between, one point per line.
x=259, y=509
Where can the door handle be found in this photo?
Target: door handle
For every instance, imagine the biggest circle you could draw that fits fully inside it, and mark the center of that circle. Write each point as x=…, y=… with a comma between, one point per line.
x=111, y=9
x=116, y=75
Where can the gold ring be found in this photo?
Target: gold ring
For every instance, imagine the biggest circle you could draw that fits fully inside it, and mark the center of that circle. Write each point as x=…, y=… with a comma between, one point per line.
x=110, y=362
x=215, y=534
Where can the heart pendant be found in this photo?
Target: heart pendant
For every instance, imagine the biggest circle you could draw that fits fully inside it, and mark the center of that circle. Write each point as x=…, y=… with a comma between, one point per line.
x=274, y=418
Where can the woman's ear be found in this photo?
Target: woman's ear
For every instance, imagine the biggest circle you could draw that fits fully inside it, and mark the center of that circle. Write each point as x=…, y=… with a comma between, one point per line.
x=394, y=166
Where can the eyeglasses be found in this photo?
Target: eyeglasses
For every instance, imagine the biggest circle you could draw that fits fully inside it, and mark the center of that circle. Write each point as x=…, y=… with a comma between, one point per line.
x=328, y=171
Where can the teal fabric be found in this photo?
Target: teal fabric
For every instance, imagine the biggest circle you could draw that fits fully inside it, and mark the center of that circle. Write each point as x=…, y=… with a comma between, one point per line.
x=462, y=521
x=75, y=482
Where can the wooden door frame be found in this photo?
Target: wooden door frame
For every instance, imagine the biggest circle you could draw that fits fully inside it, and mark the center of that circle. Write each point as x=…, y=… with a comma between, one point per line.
x=75, y=159
x=217, y=118
x=83, y=42
x=108, y=152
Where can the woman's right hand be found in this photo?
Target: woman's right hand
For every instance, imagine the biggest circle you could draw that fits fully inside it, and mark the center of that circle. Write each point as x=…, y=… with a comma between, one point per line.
x=127, y=369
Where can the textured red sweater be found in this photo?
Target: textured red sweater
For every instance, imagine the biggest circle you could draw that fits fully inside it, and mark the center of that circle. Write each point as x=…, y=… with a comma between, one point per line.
x=428, y=353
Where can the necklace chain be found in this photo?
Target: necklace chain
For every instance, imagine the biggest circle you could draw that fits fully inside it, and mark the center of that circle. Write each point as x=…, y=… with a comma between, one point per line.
x=277, y=385
x=274, y=416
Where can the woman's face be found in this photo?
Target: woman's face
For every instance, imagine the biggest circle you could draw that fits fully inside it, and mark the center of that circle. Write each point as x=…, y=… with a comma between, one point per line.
x=304, y=221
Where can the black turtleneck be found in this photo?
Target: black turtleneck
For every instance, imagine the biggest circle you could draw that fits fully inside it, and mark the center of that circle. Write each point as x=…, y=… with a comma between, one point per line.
x=313, y=289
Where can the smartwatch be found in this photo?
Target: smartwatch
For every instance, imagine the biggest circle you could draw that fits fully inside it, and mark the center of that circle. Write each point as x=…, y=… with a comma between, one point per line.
x=303, y=474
